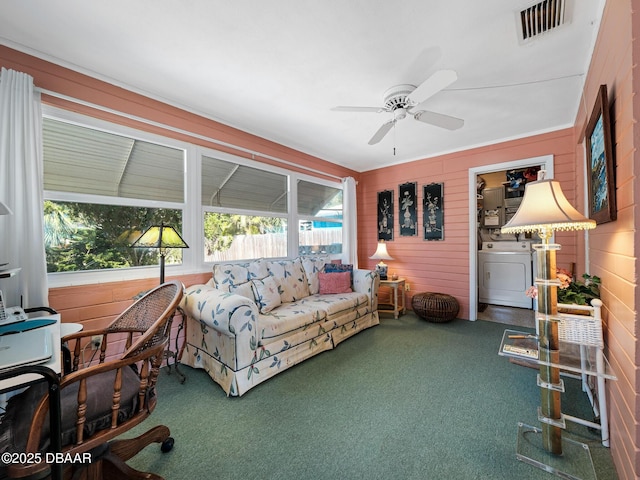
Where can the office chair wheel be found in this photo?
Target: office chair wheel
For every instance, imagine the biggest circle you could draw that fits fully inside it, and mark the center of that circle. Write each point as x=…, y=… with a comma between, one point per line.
x=167, y=445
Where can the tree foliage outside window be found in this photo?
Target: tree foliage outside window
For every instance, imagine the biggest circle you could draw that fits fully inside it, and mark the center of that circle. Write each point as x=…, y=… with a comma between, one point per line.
x=82, y=236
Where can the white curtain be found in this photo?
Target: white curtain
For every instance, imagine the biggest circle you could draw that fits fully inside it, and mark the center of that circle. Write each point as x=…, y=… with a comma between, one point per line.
x=21, y=189
x=350, y=222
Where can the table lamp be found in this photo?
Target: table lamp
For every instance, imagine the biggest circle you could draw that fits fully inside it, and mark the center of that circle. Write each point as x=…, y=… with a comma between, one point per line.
x=163, y=237
x=381, y=254
x=545, y=209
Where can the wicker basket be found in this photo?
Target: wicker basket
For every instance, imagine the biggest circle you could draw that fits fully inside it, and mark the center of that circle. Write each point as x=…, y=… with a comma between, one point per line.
x=435, y=307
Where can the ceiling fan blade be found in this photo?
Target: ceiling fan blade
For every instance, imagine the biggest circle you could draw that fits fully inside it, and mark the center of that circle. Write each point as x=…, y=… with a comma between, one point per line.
x=432, y=85
x=439, y=120
x=358, y=109
x=382, y=131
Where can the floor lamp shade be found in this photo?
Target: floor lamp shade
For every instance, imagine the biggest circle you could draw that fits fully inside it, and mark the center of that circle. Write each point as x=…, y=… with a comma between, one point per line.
x=545, y=209
x=161, y=237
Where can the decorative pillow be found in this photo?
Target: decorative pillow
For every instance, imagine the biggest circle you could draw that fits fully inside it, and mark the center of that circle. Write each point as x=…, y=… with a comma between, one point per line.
x=257, y=270
x=266, y=294
x=244, y=289
x=226, y=275
x=292, y=279
x=339, y=267
x=335, y=282
x=312, y=266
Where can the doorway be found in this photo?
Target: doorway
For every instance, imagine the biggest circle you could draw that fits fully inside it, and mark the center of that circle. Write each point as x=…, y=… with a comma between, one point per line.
x=546, y=163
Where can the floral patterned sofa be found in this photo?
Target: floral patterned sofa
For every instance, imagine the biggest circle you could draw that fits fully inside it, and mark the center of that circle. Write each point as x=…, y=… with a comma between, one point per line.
x=254, y=320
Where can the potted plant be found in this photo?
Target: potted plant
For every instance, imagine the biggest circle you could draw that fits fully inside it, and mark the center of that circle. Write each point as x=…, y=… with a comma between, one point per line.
x=579, y=292
x=573, y=291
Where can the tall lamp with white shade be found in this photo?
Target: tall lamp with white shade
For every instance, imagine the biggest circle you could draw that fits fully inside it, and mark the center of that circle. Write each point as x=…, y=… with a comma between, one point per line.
x=544, y=210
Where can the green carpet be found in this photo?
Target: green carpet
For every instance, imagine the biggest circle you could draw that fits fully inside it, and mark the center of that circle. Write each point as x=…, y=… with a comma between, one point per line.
x=404, y=400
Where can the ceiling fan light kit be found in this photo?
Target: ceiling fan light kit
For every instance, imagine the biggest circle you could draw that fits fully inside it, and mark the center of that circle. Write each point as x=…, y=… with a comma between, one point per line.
x=405, y=98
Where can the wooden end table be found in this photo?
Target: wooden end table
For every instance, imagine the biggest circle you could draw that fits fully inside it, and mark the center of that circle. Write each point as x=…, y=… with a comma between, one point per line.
x=396, y=297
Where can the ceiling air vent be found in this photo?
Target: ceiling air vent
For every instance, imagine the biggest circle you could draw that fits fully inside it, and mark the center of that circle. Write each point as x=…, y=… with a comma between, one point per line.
x=541, y=18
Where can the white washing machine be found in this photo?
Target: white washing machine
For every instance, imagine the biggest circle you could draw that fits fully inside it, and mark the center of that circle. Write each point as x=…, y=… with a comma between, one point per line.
x=505, y=273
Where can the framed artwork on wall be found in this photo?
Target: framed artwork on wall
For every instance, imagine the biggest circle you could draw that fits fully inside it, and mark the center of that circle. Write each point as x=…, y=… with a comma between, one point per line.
x=407, y=209
x=385, y=215
x=600, y=170
x=433, y=211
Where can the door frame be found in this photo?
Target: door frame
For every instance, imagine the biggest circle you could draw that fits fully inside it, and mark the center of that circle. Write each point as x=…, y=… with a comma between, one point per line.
x=546, y=163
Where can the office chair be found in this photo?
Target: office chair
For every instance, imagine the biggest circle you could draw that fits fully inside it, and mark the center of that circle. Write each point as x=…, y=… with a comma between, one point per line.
x=100, y=398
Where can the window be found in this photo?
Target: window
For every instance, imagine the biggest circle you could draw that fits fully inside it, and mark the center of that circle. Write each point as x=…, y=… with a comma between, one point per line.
x=320, y=218
x=245, y=211
x=104, y=184
x=102, y=190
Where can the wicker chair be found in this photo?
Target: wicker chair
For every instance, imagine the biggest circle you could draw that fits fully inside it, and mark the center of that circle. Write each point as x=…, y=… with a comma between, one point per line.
x=103, y=397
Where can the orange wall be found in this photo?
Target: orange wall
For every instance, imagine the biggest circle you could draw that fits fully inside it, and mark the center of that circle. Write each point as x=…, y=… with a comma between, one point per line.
x=96, y=305
x=613, y=246
x=443, y=266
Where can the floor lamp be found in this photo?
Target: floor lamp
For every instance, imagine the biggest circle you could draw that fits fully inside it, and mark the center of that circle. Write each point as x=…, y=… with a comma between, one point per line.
x=162, y=237
x=545, y=209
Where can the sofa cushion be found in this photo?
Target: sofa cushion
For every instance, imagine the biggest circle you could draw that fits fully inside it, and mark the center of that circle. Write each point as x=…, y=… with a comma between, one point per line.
x=338, y=282
x=336, y=304
x=291, y=277
x=312, y=266
x=288, y=318
x=266, y=294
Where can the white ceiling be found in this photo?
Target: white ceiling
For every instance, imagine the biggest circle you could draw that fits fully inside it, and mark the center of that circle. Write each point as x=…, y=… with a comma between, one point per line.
x=276, y=68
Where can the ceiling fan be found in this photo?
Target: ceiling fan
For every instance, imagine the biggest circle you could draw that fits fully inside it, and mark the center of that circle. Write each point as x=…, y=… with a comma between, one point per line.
x=404, y=99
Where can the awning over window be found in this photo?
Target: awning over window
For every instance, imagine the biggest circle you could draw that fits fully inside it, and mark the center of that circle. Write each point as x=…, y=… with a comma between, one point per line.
x=230, y=185
x=88, y=161
x=315, y=199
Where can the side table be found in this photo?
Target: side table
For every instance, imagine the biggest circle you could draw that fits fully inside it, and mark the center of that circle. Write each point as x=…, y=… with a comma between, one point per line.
x=396, y=296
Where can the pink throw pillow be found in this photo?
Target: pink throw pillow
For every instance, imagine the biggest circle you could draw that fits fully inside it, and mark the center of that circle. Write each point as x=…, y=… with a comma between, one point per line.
x=339, y=282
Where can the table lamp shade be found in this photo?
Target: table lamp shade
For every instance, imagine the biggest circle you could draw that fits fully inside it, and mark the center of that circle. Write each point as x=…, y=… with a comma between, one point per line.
x=544, y=207
x=381, y=254
x=160, y=236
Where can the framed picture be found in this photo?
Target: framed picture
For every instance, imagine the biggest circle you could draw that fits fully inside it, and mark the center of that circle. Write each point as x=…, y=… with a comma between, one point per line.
x=385, y=215
x=600, y=171
x=433, y=211
x=407, y=209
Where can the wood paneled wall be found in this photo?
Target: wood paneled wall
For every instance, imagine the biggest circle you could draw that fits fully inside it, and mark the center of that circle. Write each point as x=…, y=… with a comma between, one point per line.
x=613, y=246
x=443, y=266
